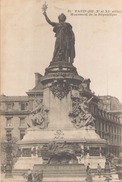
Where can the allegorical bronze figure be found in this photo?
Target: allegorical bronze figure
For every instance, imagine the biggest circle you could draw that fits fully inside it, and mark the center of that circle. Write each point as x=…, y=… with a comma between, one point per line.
x=65, y=40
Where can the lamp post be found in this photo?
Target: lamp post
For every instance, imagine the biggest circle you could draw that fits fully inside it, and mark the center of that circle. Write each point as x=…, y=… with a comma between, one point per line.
x=8, y=171
x=108, y=177
x=106, y=136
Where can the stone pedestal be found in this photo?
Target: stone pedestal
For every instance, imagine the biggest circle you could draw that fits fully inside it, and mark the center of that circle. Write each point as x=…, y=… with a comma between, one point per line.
x=62, y=137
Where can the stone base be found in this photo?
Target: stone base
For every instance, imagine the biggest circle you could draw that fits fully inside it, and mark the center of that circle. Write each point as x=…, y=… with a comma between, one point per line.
x=61, y=170
x=65, y=179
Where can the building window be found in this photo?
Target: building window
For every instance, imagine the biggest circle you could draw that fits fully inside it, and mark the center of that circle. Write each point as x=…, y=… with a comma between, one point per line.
x=102, y=126
x=106, y=127
x=112, y=129
x=23, y=106
x=10, y=106
x=22, y=133
x=8, y=133
x=9, y=122
x=120, y=131
x=96, y=110
x=109, y=129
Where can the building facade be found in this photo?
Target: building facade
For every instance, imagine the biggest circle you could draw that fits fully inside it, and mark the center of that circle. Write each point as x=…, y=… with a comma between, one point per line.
x=109, y=123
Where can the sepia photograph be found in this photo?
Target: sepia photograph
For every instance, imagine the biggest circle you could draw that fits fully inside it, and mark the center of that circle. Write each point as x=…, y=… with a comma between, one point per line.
x=61, y=91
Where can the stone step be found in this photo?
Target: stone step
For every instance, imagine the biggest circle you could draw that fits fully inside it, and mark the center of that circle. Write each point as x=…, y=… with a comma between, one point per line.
x=62, y=179
x=45, y=179
x=53, y=174
x=65, y=179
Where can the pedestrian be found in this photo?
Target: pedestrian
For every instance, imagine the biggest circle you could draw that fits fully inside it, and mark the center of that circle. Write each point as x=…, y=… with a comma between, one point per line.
x=99, y=170
x=35, y=177
x=29, y=176
x=40, y=176
x=89, y=178
x=107, y=167
x=88, y=172
x=88, y=168
x=2, y=168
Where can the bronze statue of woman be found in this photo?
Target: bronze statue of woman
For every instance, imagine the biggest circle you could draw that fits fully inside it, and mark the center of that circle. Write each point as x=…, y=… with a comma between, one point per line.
x=65, y=39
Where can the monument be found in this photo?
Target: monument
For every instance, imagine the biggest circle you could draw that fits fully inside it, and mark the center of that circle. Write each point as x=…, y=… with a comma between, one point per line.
x=61, y=137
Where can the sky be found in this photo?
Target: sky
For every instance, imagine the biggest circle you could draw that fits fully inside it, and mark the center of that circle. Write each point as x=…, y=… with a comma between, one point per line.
x=27, y=43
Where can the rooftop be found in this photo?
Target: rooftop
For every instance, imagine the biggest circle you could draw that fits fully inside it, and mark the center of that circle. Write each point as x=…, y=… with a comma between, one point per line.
x=4, y=98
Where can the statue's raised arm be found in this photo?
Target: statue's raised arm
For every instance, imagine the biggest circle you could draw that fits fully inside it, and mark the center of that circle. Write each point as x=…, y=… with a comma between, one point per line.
x=44, y=8
x=48, y=20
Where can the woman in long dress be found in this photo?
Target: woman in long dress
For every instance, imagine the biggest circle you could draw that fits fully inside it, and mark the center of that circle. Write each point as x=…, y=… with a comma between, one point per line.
x=65, y=39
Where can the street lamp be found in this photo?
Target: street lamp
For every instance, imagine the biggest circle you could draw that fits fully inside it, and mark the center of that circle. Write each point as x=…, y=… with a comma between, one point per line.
x=8, y=171
x=106, y=136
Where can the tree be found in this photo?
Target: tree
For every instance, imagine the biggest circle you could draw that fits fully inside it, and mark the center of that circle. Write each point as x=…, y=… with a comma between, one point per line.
x=3, y=149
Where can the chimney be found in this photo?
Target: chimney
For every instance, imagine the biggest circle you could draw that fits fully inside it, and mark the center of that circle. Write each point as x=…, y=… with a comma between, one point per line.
x=37, y=78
